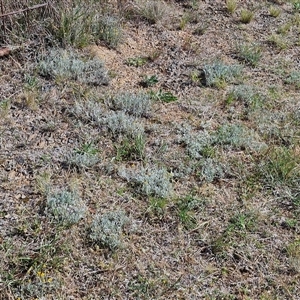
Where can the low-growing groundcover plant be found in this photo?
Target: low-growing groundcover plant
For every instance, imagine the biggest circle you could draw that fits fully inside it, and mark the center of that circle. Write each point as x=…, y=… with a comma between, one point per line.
x=64, y=65
x=88, y=111
x=66, y=207
x=246, y=95
x=294, y=79
x=218, y=74
x=107, y=229
x=233, y=136
x=119, y=123
x=84, y=157
x=138, y=105
x=149, y=181
x=184, y=188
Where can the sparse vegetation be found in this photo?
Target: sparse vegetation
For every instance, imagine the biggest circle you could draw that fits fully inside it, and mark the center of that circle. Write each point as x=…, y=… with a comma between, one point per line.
x=137, y=61
x=139, y=160
x=149, y=81
x=166, y=97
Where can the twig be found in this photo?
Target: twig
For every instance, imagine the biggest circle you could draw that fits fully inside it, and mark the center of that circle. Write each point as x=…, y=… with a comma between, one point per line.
x=23, y=10
x=3, y=22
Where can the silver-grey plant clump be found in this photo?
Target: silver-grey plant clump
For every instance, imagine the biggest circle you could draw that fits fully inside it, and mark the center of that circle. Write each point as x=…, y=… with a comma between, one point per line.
x=217, y=73
x=63, y=65
x=211, y=170
x=247, y=95
x=107, y=228
x=88, y=111
x=196, y=143
x=82, y=160
x=138, y=105
x=150, y=180
x=120, y=123
x=66, y=207
x=237, y=137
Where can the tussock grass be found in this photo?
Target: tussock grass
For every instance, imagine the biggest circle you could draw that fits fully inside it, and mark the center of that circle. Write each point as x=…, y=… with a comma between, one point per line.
x=152, y=11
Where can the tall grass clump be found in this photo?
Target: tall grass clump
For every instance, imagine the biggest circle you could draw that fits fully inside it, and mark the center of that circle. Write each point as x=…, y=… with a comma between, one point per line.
x=246, y=16
x=131, y=148
x=60, y=22
x=274, y=12
x=73, y=23
x=64, y=65
x=281, y=167
x=22, y=27
x=231, y=6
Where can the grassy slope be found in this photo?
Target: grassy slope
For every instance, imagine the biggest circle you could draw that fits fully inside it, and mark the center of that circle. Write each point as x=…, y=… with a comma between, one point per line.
x=110, y=197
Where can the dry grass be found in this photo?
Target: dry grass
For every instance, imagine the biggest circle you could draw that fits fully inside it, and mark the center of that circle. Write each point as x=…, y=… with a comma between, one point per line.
x=186, y=188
